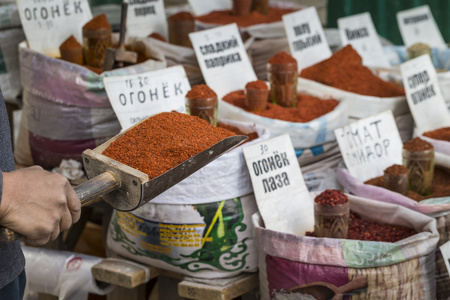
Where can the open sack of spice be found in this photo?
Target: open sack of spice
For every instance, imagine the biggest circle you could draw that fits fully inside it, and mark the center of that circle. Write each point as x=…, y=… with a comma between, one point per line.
x=65, y=106
x=203, y=224
x=342, y=76
x=263, y=23
x=391, y=251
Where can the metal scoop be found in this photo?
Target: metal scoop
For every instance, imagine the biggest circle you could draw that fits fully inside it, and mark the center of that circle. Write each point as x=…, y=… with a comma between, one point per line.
x=327, y=291
x=126, y=188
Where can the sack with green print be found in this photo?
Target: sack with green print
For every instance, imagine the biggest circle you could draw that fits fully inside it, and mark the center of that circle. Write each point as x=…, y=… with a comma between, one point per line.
x=359, y=269
x=208, y=240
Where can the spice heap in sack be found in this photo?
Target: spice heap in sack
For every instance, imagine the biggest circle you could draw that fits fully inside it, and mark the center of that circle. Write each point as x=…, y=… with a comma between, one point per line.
x=442, y=134
x=163, y=141
x=344, y=70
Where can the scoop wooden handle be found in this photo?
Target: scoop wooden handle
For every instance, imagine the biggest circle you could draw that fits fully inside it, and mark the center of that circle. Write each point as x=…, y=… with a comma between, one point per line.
x=89, y=192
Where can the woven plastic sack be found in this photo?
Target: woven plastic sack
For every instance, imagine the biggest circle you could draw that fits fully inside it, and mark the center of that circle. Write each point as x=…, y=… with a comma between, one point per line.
x=65, y=106
x=401, y=270
x=200, y=227
x=441, y=60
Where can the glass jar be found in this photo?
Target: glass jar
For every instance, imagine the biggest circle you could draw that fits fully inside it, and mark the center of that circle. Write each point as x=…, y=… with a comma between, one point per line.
x=420, y=165
x=396, y=182
x=179, y=31
x=95, y=42
x=283, y=83
x=256, y=99
x=331, y=221
x=204, y=108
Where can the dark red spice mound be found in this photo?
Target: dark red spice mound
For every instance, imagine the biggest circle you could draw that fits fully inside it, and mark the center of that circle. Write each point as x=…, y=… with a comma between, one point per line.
x=257, y=85
x=439, y=186
x=331, y=198
x=417, y=144
x=282, y=58
x=251, y=136
x=224, y=17
x=70, y=43
x=163, y=141
x=308, y=107
x=157, y=36
x=344, y=70
x=442, y=134
x=396, y=170
x=182, y=16
x=365, y=230
x=201, y=91
x=99, y=21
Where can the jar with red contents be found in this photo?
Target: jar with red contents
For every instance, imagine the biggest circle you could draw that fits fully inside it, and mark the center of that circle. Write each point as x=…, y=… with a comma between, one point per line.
x=331, y=214
x=282, y=74
x=201, y=101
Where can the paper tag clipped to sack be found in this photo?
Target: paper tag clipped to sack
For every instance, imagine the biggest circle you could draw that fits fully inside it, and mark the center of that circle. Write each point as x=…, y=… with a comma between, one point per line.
x=47, y=24
x=359, y=31
x=370, y=145
x=222, y=58
x=147, y=17
x=139, y=96
x=306, y=37
x=417, y=25
x=445, y=251
x=423, y=94
x=203, y=7
x=281, y=194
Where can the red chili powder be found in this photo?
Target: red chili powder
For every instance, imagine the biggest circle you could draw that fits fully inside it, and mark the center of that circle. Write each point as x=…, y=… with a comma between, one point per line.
x=439, y=186
x=182, y=16
x=99, y=21
x=442, y=134
x=201, y=91
x=417, y=144
x=224, y=17
x=396, y=170
x=157, y=36
x=365, y=230
x=257, y=85
x=308, y=107
x=282, y=58
x=70, y=43
x=331, y=198
x=163, y=141
x=344, y=70
x=251, y=136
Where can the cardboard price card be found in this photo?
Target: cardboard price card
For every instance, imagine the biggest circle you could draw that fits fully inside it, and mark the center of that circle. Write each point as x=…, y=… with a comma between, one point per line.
x=145, y=17
x=48, y=23
x=370, y=145
x=222, y=58
x=359, y=31
x=445, y=251
x=424, y=95
x=280, y=191
x=306, y=38
x=138, y=96
x=417, y=25
x=203, y=7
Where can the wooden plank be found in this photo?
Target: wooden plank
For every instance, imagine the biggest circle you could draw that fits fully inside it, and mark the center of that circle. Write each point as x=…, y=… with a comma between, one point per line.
x=203, y=291
x=122, y=273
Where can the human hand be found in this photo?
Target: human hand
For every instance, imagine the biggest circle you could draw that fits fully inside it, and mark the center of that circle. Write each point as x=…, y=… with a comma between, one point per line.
x=38, y=204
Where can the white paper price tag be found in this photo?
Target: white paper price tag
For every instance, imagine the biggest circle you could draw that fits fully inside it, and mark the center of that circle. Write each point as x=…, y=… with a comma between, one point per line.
x=222, y=58
x=147, y=17
x=137, y=97
x=445, y=251
x=424, y=95
x=48, y=23
x=203, y=7
x=280, y=191
x=306, y=38
x=370, y=145
x=417, y=25
x=359, y=31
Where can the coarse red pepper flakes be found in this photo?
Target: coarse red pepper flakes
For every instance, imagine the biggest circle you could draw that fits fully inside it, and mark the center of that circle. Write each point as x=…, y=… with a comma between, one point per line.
x=164, y=141
x=308, y=107
x=366, y=230
x=331, y=198
x=442, y=134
